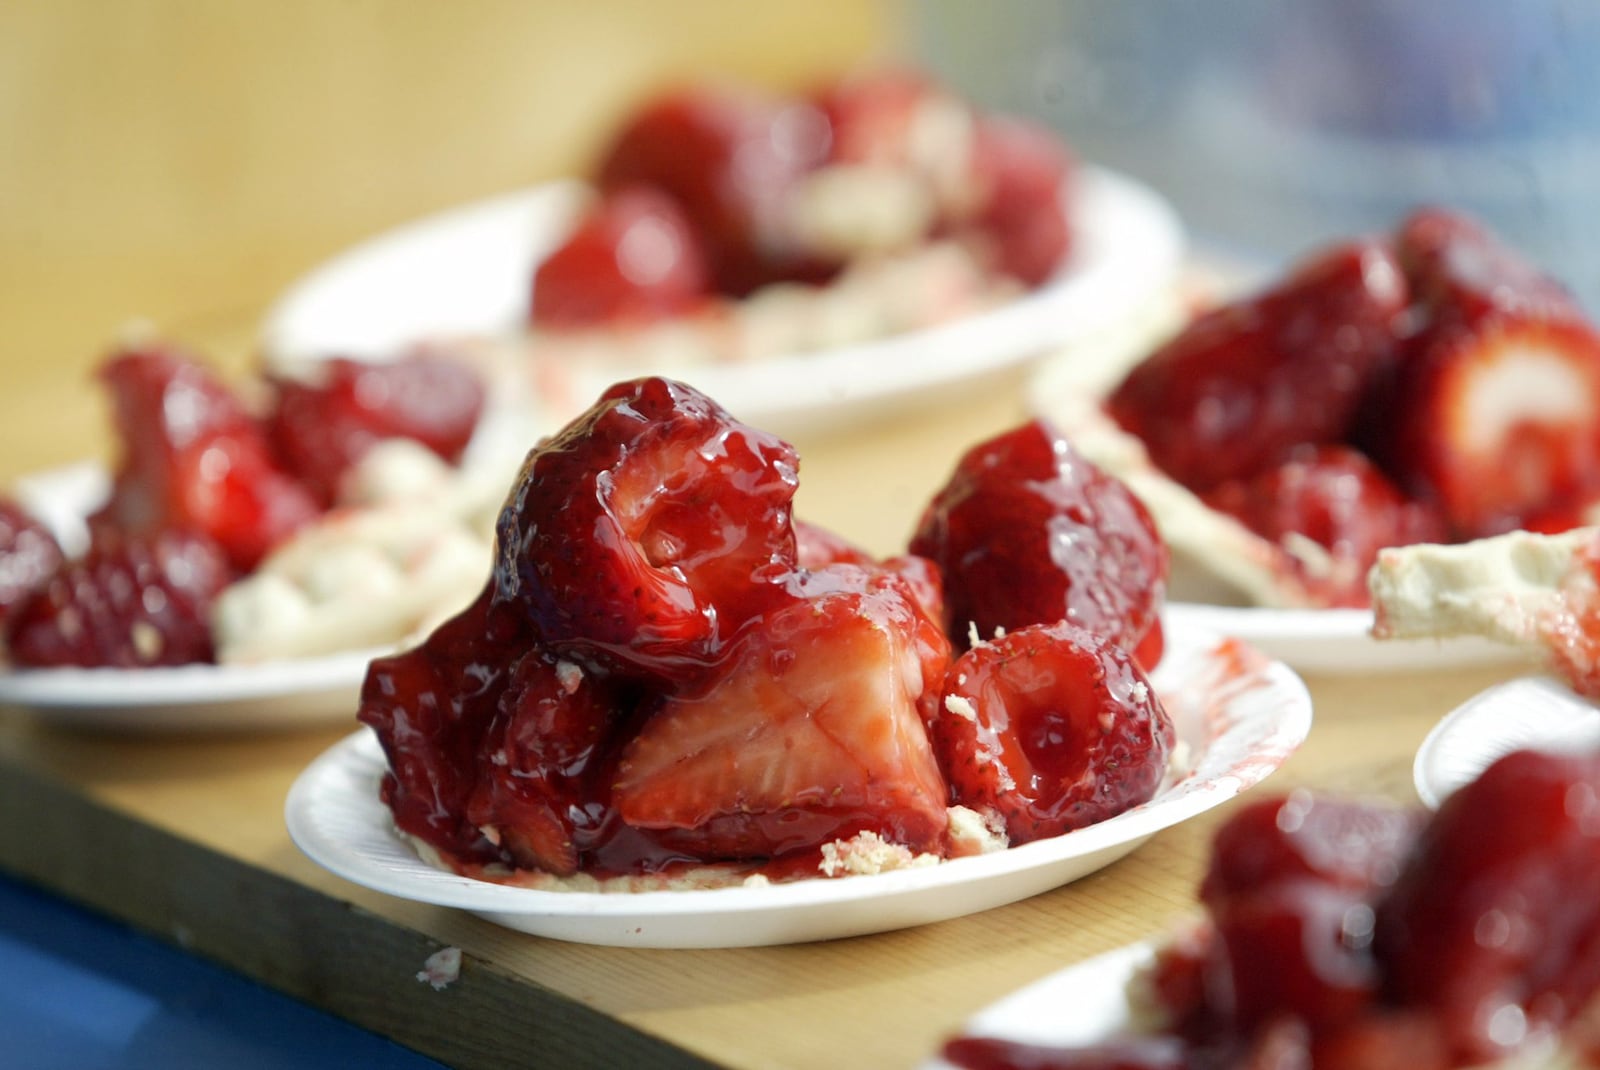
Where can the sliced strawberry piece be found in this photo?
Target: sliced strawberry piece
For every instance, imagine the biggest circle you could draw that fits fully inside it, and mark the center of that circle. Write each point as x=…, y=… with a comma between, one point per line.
x=1052, y=727
x=633, y=259
x=1028, y=531
x=1023, y=171
x=537, y=762
x=649, y=531
x=1242, y=386
x=1495, y=412
x=728, y=158
x=1338, y=499
x=133, y=601
x=812, y=733
x=29, y=555
x=322, y=426
x=193, y=458
x=1492, y=925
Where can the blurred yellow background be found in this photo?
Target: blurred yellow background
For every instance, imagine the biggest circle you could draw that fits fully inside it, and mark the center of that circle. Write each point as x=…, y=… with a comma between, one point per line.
x=181, y=161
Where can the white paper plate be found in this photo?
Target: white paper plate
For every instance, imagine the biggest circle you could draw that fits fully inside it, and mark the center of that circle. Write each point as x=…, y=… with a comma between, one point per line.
x=1532, y=713
x=1337, y=640
x=1077, y=1006
x=209, y=698
x=1239, y=713
x=467, y=272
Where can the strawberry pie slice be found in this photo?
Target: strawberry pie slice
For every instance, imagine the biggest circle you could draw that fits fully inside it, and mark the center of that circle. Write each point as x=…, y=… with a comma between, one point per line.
x=668, y=679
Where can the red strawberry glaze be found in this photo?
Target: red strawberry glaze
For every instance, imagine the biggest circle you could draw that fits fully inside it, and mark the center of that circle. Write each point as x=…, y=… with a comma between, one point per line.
x=648, y=532
x=1339, y=499
x=1052, y=727
x=1028, y=531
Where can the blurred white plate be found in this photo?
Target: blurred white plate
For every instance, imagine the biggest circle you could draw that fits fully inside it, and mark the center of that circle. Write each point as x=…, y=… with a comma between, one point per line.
x=468, y=272
x=1240, y=714
x=1338, y=640
x=1531, y=713
x=206, y=698
x=1080, y=1005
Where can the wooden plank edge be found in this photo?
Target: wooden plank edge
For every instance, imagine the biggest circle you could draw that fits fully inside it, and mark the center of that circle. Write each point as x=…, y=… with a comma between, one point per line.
x=331, y=954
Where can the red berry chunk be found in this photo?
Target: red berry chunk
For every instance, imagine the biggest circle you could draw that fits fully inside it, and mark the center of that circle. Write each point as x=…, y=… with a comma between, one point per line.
x=431, y=707
x=728, y=159
x=1243, y=385
x=1495, y=410
x=1493, y=926
x=1023, y=171
x=1340, y=500
x=29, y=554
x=1052, y=727
x=633, y=259
x=321, y=427
x=645, y=534
x=812, y=734
x=1027, y=531
x=193, y=458
x=538, y=762
x=132, y=601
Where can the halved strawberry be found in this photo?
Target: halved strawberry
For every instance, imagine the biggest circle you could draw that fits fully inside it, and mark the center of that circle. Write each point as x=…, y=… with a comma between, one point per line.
x=1335, y=497
x=1052, y=727
x=323, y=424
x=1028, y=531
x=1239, y=388
x=632, y=259
x=649, y=531
x=193, y=458
x=810, y=734
x=1495, y=410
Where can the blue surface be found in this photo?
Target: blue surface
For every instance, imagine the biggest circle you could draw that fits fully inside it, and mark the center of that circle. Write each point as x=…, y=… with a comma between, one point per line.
x=84, y=993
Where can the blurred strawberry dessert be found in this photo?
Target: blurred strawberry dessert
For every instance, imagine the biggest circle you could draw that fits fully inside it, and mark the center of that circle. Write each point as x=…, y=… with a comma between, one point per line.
x=1425, y=386
x=1349, y=935
x=196, y=553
